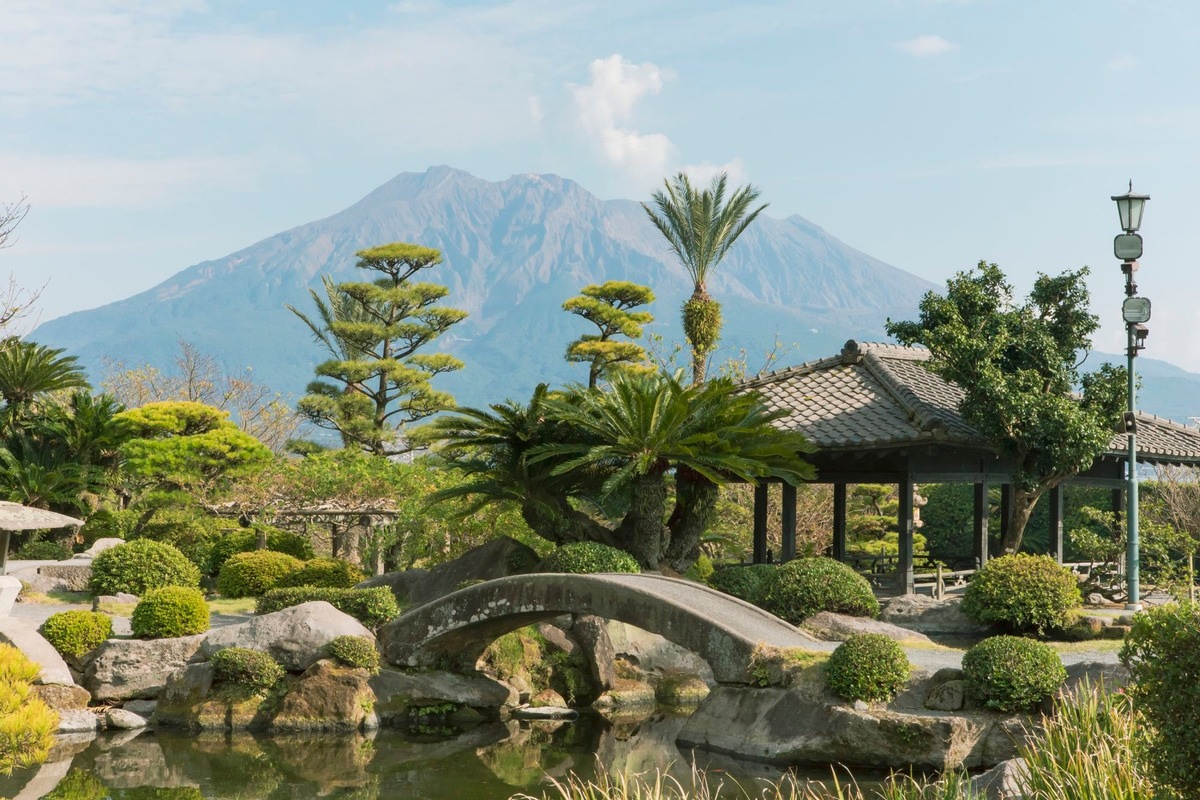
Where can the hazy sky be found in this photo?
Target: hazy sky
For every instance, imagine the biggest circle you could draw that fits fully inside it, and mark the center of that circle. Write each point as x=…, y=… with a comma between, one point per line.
x=150, y=135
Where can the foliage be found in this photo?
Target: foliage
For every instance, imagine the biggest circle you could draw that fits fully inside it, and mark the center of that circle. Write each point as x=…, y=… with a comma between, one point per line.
x=244, y=540
x=332, y=573
x=1161, y=551
x=1023, y=593
x=582, y=558
x=176, y=519
x=79, y=784
x=1162, y=652
x=253, y=573
x=700, y=225
x=27, y=724
x=106, y=523
x=867, y=666
x=372, y=607
x=170, y=612
x=802, y=587
x=197, y=377
x=744, y=582
x=616, y=450
x=43, y=550
x=354, y=651
x=76, y=633
x=249, y=669
x=1009, y=673
x=730, y=535
x=1018, y=366
x=30, y=371
x=608, y=306
x=785, y=666
x=136, y=567
x=376, y=382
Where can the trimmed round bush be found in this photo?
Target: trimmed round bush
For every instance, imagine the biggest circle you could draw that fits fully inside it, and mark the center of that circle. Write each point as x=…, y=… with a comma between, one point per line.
x=249, y=669
x=744, y=582
x=254, y=573
x=867, y=666
x=76, y=633
x=331, y=573
x=1009, y=673
x=1023, y=593
x=372, y=607
x=354, y=651
x=170, y=612
x=243, y=540
x=1162, y=652
x=583, y=558
x=43, y=551
x=804, y=586
x=139, y=566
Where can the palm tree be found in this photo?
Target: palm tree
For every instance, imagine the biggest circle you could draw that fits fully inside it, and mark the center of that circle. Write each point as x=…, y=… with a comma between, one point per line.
x=29, y=371
x=701, y=226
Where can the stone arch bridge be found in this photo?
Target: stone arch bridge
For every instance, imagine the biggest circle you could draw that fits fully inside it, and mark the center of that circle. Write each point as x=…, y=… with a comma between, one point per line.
x=457, y=628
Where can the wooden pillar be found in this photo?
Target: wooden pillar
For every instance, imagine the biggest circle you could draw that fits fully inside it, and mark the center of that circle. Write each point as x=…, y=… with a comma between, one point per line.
x=1118, y=502
x=979, y=531
x=760, y=523
x=904, y=570
x=839, y=522
x=1055, y=498
x=1005, y=509
x=788, y=544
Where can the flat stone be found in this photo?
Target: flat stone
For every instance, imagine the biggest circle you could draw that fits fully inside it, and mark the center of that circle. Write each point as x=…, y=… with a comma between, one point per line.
x=24, y=636
x=840, y=627
x=546, y=712
x=125, y=669
x=120, y=719
x=930, y=615
x=143, y=708
x=77, y=721
x=71, y=576
x=295, y=636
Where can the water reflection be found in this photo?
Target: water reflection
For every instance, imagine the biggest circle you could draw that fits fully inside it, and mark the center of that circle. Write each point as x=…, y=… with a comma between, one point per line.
x=489, y=762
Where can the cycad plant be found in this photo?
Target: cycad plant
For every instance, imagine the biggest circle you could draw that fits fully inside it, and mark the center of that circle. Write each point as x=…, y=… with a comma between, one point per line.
x=701, y=225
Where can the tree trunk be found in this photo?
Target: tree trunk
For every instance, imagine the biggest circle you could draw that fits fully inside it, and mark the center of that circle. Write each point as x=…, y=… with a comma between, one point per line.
x=695, y=504
x=641, y=532
x=702, y=329
x=1022, y=509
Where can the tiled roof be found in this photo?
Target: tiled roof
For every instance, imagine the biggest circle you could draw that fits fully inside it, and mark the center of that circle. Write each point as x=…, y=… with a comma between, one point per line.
x=874, y=396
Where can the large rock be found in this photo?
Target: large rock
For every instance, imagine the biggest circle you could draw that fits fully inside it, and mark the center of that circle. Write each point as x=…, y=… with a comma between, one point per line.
x=295, y=636
x=396, y=692
x=839, y=627
x=327, y=697
x=654, y=655
x=78, y=721
x=592, y=635
x=99, y=546
x=24, y=636
x=63, y=698
x=68, y=576
x=1003, y=781
x=786, y=727
x=118, y=719
x=1095, y=673
x=124, y=669
x=497, y=558
x=930, y=616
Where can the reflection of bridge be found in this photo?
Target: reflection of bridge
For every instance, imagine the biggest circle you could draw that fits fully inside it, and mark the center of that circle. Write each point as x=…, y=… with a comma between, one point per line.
x=457, y=628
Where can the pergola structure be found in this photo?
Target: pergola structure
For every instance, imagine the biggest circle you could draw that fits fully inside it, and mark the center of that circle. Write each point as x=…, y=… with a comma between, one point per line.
x=877, y=415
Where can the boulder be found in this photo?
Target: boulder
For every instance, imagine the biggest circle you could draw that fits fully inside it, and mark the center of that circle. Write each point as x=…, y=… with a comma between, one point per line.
x=556, y=636
x=119, y=719
x=397, y=691
x=401, y=583
x=592, y=635
x=626, y=694
x=125, y=669
x=928, y=615
x=189, y=701
x=143, y=708
x=1002, y=782
x=1095, y=673
x=840, y=627
x=24, y=636
x=78, y=721
x=680, y=690
x=67, y=576
x=63, y=698
x=547, y=698
x=949, y=696
x=327, y=697
x=295, y=636
x=497, y=558
x=654, y=655
x=99, y=546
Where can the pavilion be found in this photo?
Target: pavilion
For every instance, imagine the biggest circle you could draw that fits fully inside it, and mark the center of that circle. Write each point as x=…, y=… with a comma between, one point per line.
x=877, y=415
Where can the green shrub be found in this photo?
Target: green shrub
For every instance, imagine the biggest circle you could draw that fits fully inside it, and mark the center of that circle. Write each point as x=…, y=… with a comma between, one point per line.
x=804, y=586
x=1162, y=652
x=867, y=666
x=331, y=573
x=1009, y=673
x=27, y=724
x=1023, y=593
x=170, y=612
x=582, y=558
x=354, y=651
x=372, y=607
x=43, y=551
x=253, y=573
x=190, y=529
x=243, y=540
x=249, y=669
x=138, y=566
x=76, y=633
x=743, y=582
x=106, y=524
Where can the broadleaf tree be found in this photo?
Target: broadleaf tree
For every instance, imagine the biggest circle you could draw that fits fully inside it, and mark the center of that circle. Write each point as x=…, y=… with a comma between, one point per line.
x=701, y=225
x=376, y=381
x=1018, y=365
x=609, y=306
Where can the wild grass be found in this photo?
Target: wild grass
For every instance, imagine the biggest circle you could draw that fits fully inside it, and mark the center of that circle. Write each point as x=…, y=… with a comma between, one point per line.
x=231, y=605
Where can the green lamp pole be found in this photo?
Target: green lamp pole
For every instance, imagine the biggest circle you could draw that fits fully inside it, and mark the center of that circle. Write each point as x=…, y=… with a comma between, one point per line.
x=1136, y=312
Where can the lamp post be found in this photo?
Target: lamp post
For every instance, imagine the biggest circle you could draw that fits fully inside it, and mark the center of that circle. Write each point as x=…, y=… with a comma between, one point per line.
x=1136, y=312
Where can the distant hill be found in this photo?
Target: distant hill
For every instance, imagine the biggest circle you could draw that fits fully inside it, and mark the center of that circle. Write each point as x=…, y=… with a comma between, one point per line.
x=514, y=251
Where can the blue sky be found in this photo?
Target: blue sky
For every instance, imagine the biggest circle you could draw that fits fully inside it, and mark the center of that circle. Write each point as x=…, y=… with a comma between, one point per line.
x=150, y=135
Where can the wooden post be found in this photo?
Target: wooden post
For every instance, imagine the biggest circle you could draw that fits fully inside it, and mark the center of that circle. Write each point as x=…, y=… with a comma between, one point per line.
x=1005, y=509
x=939, y=589
x=788, y=543
x=904, y=569
x=760, y=523
x=839, y=522
x=1055, y=498
x=979, y=535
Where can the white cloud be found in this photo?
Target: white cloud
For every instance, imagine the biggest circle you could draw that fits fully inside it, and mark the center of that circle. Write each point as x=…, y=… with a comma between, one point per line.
x=1123, y=62
x=703, y=173
x=927, y=45
x=605, y=107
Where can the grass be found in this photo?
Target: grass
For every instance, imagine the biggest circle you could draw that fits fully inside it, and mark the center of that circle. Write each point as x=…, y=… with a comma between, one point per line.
x=56, y=598
x=117, y=609
x=1092, y=646
x=232, y=605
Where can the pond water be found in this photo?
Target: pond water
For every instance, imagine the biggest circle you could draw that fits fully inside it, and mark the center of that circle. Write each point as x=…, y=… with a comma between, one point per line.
x=490, y=762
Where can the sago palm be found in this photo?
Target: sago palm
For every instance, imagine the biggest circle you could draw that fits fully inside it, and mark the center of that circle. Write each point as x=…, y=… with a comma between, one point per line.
x=700, y=225
x=29, y=371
